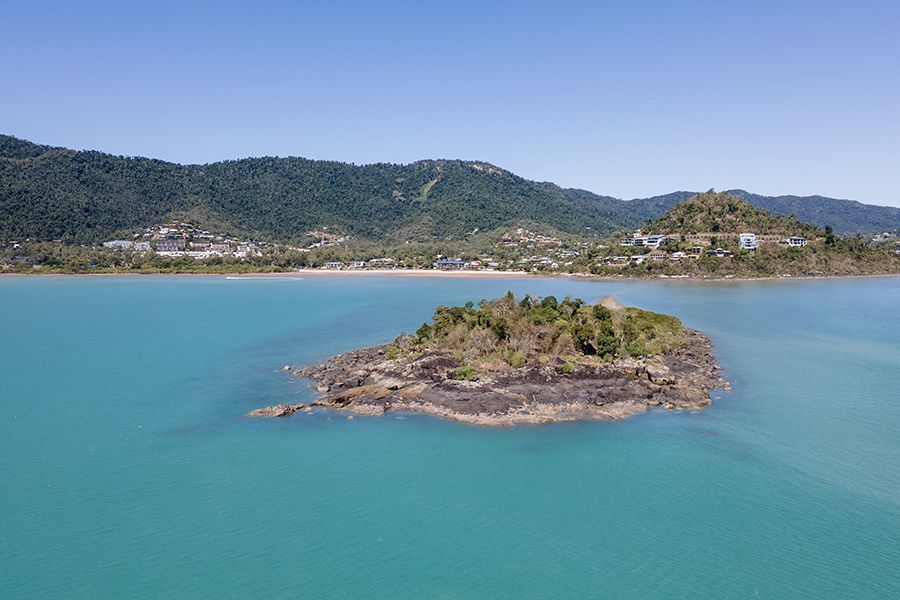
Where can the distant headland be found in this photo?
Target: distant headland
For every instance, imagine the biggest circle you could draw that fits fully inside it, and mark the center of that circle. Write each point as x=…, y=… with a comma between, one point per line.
x=515, y=361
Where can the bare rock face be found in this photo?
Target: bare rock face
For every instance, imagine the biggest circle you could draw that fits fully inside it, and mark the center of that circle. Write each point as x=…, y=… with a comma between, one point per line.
x=366, y=382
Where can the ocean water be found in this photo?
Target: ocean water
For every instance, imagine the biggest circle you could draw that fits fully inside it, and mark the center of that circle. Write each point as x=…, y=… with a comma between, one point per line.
x=127, y=468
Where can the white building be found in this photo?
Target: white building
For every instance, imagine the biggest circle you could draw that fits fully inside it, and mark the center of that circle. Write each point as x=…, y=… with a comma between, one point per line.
x=748, y=241
x=796, y=241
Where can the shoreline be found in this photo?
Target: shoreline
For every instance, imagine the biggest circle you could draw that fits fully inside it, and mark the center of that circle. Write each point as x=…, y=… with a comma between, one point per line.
x=453, y=275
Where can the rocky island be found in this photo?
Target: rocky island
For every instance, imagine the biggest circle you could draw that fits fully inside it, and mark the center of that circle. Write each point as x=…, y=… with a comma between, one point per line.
x=509, y=361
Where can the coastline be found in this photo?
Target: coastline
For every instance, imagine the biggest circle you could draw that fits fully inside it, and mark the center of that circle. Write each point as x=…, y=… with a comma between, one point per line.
x=448, y=274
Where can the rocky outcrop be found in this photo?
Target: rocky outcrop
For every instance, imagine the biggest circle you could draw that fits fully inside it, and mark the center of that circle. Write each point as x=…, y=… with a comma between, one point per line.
x=366, y=382
x=278, y=410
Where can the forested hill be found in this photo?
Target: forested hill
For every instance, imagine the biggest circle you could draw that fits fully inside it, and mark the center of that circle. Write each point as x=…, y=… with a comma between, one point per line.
x=85, y=196
x=53, y=193
x=845, y=216
x=726, y=213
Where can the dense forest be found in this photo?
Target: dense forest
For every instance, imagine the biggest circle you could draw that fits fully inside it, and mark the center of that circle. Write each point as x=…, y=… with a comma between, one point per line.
x=49, y=193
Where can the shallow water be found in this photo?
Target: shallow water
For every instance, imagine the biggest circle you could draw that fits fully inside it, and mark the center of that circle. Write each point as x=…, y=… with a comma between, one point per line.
x=128, y=469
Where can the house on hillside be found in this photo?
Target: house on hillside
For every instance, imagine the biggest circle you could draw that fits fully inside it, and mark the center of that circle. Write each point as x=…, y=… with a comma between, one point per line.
x=748, y=242
x=650, y=241
x=795, y=241
x=719, y=252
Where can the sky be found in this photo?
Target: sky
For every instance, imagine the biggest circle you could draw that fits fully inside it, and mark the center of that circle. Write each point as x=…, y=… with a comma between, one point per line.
x=628, y=99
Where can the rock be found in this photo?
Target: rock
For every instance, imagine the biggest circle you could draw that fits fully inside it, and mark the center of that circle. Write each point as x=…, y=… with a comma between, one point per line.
x=279, y=410
x=362, y=382
x=612, y=303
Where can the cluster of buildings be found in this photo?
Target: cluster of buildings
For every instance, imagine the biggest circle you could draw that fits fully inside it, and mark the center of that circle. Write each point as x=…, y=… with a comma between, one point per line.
x=457, y=264
x=746, y=241
x=886, y=238
x=357, y=265
x=185, y=239
x=703, y=245
x=648, y=241
x=522, y=238
x=325, y=239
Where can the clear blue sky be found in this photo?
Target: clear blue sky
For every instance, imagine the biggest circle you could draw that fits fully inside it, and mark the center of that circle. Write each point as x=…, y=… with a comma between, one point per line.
x=621, y=98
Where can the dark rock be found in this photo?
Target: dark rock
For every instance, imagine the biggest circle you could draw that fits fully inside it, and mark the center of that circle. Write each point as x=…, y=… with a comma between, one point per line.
x=365, y=382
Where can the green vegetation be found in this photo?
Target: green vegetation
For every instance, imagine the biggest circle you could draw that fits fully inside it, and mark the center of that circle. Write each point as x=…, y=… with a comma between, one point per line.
x=503, y=334
x=713, y=212
x=51, y=193
x=846, y=216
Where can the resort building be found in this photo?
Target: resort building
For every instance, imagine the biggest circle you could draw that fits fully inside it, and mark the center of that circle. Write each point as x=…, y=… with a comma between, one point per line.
x=169, y=245
x=382, y=263
x=450, y=265
x=650, y=241
x=334, y=265
x=796, y=241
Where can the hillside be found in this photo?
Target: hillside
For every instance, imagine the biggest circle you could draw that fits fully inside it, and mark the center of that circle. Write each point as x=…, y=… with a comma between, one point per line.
x=846, y=216
x=726, y=213
x=52, y=193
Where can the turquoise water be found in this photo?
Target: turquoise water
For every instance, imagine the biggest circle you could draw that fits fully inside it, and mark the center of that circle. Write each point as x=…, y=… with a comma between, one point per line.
x=128, y=470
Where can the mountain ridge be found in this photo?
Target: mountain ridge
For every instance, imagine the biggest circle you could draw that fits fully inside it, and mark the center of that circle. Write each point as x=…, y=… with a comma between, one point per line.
x=49, y=192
